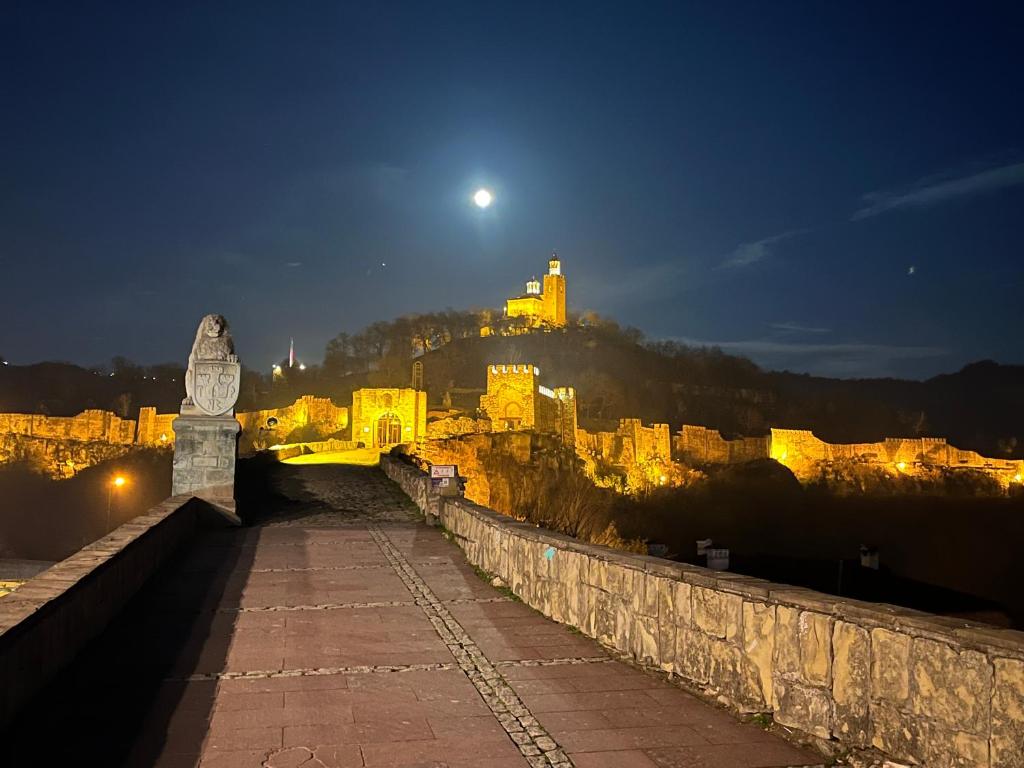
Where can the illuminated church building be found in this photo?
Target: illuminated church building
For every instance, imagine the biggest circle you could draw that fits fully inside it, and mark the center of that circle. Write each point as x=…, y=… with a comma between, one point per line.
x=542, y=309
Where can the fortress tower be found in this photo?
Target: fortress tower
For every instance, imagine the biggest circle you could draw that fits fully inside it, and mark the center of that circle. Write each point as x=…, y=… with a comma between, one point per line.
x=516, y=400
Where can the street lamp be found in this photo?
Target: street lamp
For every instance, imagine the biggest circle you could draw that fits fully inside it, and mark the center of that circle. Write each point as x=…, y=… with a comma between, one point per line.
x=117, y=482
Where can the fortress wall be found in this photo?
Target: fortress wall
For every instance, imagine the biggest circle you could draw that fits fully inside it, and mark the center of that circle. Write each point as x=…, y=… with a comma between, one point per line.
x=700, y=445
x=630, y=444
x=90, y=425
x=921, y=688
x=801, y=451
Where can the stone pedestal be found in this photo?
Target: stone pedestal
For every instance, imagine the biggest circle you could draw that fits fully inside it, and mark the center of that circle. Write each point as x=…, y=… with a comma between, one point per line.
x=205, y=451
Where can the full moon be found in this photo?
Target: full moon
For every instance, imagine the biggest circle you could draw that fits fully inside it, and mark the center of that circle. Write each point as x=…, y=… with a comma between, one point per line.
x=482, y=198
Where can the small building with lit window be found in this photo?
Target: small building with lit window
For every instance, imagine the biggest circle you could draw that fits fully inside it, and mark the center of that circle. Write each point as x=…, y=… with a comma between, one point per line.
x=385, y=417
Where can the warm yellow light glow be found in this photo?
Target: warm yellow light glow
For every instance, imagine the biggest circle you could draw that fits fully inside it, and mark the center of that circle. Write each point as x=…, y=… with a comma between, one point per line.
x=119, y=481
x=483, y=198
x=1017, y=478
x=366, y=429
x=163, y=437
x=901, y=465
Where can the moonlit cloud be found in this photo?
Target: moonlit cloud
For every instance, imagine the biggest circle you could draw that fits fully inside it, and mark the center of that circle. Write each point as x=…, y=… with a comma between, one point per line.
x=751, y=253
x=940, y=189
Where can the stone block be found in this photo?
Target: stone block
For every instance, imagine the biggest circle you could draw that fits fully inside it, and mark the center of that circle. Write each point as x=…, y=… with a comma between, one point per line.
x=647, y=598
x=954, y=688
x=682, y=602
x=804, y=707
x=759, y=644
x=851, y=683
x=890, y=666
x=645, y=640
x=623, y=638
x=816, y=648
x=787, y=642
x=1008, y=714
x=734, y=676
x=717, y=613
x=693, y=655
x=896, y=733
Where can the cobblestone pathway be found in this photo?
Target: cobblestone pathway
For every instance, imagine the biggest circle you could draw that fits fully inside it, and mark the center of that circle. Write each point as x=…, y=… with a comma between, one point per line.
x=360, y=637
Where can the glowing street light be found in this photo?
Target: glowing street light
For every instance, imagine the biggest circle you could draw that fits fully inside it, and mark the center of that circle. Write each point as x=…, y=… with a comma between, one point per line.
x=117, y=482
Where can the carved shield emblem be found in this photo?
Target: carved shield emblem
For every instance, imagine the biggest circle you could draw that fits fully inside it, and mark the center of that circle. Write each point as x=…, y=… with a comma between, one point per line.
x=215, y=385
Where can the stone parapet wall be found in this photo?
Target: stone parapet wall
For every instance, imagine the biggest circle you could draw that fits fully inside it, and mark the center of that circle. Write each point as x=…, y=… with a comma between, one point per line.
x=52, y=616
x=920, y=688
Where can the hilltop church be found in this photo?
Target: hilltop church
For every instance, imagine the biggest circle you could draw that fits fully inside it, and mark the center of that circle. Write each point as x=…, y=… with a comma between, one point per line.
x=542, y=309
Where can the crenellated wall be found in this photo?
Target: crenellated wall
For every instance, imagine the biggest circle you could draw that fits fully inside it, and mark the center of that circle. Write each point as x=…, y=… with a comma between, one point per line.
x=802, y=452
x=630, y=444
x=921, y=688
x=700, y=445
x=88, y=426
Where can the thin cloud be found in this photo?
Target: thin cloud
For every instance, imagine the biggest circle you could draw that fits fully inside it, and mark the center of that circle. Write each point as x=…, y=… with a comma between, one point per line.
x=293, y=264
x=844, y=359
x=940, y=189
x=789, y=327
x=759, y=250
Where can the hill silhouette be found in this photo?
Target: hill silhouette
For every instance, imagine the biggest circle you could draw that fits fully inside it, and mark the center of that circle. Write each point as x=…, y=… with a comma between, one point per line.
x=615, y=372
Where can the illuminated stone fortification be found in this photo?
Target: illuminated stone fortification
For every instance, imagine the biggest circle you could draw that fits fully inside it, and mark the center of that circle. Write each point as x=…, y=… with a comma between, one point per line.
x=516, y=400
x=155, y=428
x=539, y=308
x=308, y=411
x=91, y=425
x=386, y=417
x=631, y=444
x=700, y=445
x=802, y=452
x=260, y=429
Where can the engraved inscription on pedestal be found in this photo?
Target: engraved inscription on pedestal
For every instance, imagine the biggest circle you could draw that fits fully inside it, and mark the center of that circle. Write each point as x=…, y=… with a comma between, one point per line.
x=206, y=432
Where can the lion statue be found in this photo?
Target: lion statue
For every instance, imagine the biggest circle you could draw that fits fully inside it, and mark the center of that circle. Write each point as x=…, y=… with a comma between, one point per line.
x=213, y=342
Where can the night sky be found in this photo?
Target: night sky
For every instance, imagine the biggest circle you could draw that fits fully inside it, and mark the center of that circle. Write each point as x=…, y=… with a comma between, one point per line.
x=826, y=187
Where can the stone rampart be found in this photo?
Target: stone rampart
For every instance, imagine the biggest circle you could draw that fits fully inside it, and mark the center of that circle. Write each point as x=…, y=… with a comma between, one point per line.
x=88, y=426
x=920, y=688
x=632, y=443
x=52, y=616
x=802, y=452
x=700, y=445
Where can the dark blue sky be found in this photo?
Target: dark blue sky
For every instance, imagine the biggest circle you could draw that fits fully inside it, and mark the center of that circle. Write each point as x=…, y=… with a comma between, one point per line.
x=827, y=187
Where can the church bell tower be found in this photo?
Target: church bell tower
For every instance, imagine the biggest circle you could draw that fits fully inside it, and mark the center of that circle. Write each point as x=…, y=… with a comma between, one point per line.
x=554, y=293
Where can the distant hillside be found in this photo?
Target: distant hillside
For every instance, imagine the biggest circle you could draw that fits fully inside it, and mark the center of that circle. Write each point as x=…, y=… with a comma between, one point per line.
x=615, y=374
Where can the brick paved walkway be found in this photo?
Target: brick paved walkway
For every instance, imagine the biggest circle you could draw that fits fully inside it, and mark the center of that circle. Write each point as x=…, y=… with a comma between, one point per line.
x=359, y=637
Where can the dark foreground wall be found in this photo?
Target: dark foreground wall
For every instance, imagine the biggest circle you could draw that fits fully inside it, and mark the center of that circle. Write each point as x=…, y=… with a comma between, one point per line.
x=921, y=688
x=55, y=614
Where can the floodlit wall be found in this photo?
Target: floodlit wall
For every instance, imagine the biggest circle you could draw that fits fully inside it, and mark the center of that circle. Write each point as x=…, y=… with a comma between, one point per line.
x=801, y=452
x=921, y=688
x=700, y=445
x=630, y=444
x=90, y=425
